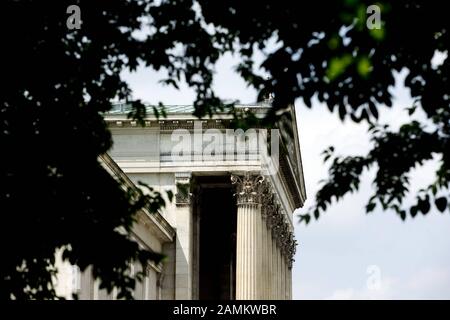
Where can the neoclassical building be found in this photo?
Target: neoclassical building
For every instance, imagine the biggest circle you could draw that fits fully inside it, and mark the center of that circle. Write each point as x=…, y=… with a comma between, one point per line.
x=228, y=234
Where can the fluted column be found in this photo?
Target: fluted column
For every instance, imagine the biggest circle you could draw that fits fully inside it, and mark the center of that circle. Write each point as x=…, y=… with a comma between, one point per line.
x=274, y=287
x=249, y=235
x=266, y=252
x=269, y=265
x=288, y=283
x=283, y=241
x=277, y=227
x=263, y=260
x=183, y=250
x=282, y=289
x=291, y=248
x=265, y=243
x=269, y=211
x=283, y=278
x=279, y=275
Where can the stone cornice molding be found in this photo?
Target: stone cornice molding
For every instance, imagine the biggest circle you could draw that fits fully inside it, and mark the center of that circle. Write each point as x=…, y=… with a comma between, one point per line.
x=155, y=220
x=288, y=170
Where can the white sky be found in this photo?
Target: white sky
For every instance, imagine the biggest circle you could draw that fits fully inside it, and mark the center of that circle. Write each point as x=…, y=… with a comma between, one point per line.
x=336, y=254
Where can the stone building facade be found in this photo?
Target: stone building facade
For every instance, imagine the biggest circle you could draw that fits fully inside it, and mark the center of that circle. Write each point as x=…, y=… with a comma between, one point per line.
x=228, y=234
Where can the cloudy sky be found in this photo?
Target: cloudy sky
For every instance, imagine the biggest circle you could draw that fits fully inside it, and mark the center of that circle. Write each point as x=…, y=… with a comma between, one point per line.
x=346, y=254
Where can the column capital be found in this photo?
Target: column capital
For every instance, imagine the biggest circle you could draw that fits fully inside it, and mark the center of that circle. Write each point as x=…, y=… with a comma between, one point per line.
x=292, y=248
x=267, y=200
x=248, y=188
x=182, y=182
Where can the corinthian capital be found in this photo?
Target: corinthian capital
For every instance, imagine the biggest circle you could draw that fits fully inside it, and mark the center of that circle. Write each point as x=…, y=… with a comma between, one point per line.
x=182, y=182
x=248, y=188
x=292, y=247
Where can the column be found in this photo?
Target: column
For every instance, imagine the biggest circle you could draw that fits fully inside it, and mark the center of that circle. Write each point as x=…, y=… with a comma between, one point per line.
x=264, y=259
x=283, y=250
x=289, y=283
x=260, y=282
x=265, y=244
x=269, y=264
x=283, y=278
x=280, y=274
x=246, y=258
x=183, y=249
x=292, y=245
x=270, y=213
x=274, y=271
x=277, y=227
x=248, y=238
